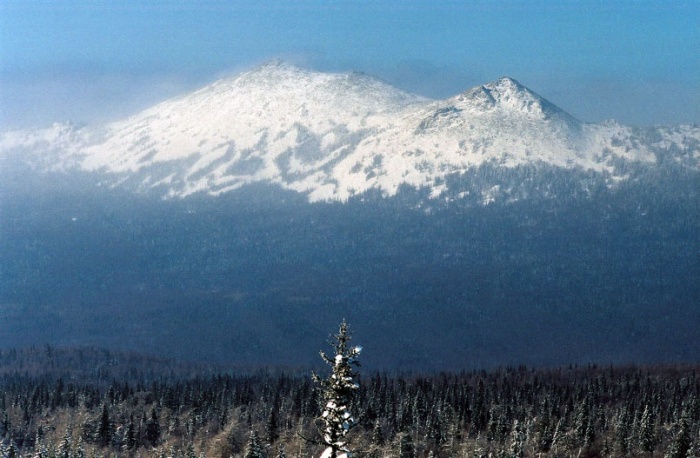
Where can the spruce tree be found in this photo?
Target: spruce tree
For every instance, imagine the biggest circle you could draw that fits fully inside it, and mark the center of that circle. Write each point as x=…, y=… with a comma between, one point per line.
x=104, y=433
x=131, y=439
x=406, y=447
x=517, y=441
x=647, y=439
x=40, y=450
x=683, y=441
x=231, y=444
x=64, y=450
x=377, y=436
x=153, y=428
x=79, y=449
x=254, y=448
x=622, y=431
x=337, y=395
x=11, y=452
x=271, y=426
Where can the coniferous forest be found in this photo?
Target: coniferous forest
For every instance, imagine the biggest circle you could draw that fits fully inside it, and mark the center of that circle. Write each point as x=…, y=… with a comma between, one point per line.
x=82, y=402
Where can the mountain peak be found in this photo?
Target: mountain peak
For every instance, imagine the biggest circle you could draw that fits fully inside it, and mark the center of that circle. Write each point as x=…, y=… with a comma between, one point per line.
x=507, y=83
x=510, y=95
x=277, y=66
x=273, y=72
x=322, y=93
x=508, y=91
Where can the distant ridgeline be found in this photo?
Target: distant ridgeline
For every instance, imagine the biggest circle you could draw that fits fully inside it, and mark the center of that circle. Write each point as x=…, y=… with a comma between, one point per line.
x=95, y=366
x=574, y=411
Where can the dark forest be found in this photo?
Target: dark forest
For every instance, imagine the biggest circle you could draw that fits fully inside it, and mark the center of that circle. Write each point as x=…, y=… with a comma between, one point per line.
x=119, y=404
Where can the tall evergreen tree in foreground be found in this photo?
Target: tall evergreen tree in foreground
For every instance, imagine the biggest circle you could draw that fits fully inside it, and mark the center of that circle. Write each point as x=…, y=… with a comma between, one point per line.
x=337, y=395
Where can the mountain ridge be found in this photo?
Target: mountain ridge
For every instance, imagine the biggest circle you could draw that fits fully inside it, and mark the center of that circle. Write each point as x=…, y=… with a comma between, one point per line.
x=332, y=136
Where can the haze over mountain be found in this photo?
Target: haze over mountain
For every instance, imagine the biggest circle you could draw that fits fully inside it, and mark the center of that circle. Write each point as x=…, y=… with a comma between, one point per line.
x=487, y=228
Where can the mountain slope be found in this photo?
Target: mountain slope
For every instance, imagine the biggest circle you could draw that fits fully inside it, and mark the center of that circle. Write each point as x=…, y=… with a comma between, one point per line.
x=332, y=136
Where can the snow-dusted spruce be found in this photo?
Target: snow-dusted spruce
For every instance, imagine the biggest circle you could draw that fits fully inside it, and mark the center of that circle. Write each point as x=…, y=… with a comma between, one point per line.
x=337, y=394
x=254, y=449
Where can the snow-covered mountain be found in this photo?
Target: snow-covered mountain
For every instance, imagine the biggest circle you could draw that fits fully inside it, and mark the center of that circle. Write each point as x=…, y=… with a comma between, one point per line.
x=586, y=253
x=332, y=136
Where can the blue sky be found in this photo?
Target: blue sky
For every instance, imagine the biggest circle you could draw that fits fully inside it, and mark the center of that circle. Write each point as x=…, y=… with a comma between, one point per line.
x=93, y=61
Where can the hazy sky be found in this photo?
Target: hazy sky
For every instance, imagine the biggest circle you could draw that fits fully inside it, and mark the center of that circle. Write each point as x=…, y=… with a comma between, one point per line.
x=91, y=61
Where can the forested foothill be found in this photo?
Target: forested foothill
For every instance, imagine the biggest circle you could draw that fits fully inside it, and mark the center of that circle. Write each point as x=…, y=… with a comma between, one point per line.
x=531, y=265
x=74, y=403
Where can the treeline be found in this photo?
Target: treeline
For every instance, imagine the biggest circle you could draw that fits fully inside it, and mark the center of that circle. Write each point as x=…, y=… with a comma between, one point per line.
x=514, y=412
x=97, y=366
